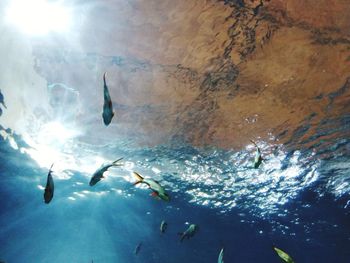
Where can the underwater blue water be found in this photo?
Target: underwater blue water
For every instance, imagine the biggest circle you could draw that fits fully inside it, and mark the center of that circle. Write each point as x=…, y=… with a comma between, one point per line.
x=295, y=201
x=298, y=199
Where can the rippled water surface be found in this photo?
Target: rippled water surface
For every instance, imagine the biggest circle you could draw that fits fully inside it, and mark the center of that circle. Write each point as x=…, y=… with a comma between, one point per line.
x=297, y=200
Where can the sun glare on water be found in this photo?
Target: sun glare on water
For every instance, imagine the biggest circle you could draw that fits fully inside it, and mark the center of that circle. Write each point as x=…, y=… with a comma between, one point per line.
x=50, y=143
x=38, y=17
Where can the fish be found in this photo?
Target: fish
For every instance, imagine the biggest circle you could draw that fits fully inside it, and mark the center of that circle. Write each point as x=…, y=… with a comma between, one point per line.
x=98, y=174
x=258, y=159
x=50, y=187
x=283, y=255
x=108, y=111
x=221, y=256
x=190, y=231
x=138, y=248
x=2, y=100
x=163, y=226
x=157, y=189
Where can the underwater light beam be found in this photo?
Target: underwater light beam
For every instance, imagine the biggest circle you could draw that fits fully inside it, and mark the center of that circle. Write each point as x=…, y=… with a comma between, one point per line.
x=38, y=17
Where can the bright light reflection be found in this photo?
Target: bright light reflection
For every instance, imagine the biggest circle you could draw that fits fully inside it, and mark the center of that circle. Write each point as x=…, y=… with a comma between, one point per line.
x=55, y=132
x=38, y=17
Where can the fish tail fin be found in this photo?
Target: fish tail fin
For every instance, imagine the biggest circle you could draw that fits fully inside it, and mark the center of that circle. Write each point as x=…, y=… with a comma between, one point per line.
x=51, y=167
x=104, y=77
x=115, y=163
x=138, y=177
x=255, y=145
x=182, y=236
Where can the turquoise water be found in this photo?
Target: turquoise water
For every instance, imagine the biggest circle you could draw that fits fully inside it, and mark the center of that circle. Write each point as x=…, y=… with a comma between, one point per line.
x=293, y=201
x=50, y=113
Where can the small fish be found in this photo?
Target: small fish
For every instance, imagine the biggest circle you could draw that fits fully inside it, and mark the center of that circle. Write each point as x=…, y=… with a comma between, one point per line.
x=163, y=226
x=50, y=187
x=138, y=248
x=108, y=112
x=158, y=190
x=98, y=175
x=283, y=255
x=190, y=231
x=3, y=103
x=258, y=159
x=221, y=256
x=2, y=100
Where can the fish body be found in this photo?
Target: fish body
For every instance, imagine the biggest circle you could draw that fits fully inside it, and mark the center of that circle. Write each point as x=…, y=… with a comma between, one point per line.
x=98, y=174
x=283, y=255
x=258, y=158
x=108, y=112
x=157, y=189
x=163, y=226
x=50, y=187
x=190, y=231
x=137, y=248
x=221, y=256
x=2, y=100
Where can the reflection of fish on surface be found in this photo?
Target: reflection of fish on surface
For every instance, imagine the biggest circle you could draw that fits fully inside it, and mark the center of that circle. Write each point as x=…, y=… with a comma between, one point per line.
x=137, y=248
x=163, y=226
x=98, y=174
x=221, y=256
x=158, y=190
x=108, y=112
x=283, y=255
x=190, y=231
x=49, y=189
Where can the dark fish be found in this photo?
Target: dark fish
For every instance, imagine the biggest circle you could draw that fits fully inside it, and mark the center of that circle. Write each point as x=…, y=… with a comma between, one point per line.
x=49, y=189
x=98, y=175
x=163, y=226
x=190, y=231
x=137, y=248
x=108, y=112
x=258, y=159
x=2, y=100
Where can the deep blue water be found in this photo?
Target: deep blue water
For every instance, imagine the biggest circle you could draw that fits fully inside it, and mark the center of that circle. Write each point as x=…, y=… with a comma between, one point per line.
x=105, y=223
x=298, y=200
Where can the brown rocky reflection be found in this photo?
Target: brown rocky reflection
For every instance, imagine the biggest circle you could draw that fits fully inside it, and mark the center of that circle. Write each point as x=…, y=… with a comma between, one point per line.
x=213, y=72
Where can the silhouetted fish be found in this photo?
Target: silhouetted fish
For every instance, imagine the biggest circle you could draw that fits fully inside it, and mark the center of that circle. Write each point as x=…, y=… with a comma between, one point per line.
x=258, y=159
x=137, y=248
x=49, y=189
x=2, y=100
x=163, y=226
x=108, y=112
x=98, y=175
x=190, y=231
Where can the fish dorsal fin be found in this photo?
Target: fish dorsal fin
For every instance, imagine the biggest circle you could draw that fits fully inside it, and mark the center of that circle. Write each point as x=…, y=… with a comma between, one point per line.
x=115, y=163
